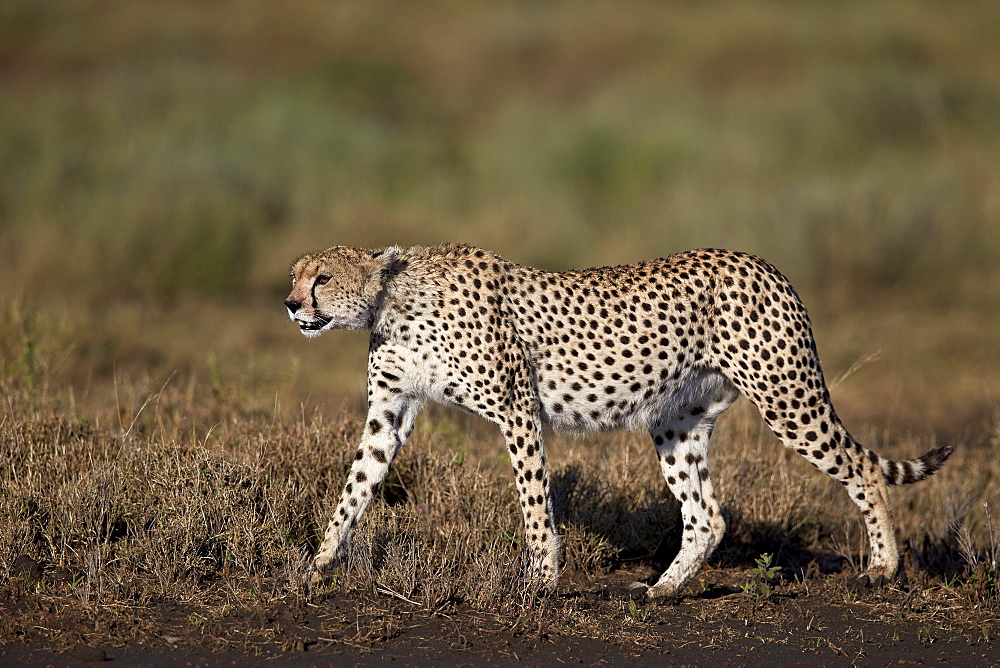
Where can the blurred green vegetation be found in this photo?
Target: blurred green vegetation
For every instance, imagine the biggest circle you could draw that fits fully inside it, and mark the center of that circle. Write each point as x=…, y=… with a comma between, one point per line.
x=173, y=147
x=158, y=151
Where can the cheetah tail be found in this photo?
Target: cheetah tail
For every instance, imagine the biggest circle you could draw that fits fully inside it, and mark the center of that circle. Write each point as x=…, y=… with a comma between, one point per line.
x=914, y=470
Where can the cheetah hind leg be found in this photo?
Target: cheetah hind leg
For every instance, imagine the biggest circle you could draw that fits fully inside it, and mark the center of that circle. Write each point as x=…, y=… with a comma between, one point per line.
x=682, y=450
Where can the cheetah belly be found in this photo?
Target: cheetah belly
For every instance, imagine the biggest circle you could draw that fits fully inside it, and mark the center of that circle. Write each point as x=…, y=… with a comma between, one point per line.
x=614, y=405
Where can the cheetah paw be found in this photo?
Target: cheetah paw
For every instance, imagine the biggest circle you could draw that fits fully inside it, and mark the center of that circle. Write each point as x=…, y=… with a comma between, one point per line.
x=313, y=577
x=867, y=581
x=635, y=591
x=662, y=596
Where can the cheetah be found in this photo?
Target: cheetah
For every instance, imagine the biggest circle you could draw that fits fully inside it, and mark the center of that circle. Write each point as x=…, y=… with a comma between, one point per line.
x=663, y=346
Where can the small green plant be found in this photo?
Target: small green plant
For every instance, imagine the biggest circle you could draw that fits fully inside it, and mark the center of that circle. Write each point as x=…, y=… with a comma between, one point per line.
x=812, y=624
x=984, y=582
x=75, y=583
x=220, y=390
x=640, y=613
x=758, y=587
x=504, y=536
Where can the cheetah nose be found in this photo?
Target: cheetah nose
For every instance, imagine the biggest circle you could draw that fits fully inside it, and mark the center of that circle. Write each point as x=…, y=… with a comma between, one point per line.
x=292, y=305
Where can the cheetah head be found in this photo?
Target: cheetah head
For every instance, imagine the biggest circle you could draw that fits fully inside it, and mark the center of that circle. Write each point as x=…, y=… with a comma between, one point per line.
x=338, y=288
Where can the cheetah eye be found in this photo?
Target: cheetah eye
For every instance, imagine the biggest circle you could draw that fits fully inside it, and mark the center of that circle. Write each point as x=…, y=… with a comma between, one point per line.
x=322, y=280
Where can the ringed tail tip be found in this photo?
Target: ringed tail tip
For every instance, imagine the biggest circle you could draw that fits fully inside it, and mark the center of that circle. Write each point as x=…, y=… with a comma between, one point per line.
x=915, y=470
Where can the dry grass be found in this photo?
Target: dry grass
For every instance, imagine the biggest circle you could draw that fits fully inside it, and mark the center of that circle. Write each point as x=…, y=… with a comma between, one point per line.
x=179, y=494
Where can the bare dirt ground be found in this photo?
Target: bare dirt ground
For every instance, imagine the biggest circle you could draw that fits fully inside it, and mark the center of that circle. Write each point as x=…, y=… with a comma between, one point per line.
x=816, y=620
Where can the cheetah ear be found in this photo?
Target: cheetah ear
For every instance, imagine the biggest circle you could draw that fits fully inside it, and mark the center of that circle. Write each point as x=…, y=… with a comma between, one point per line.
x=389, y=261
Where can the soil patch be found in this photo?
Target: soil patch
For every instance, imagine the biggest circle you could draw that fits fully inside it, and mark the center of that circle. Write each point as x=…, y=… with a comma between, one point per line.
x=804, y=622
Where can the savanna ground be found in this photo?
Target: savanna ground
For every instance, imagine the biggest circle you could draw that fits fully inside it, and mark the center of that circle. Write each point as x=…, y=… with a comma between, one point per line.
x=171, y=447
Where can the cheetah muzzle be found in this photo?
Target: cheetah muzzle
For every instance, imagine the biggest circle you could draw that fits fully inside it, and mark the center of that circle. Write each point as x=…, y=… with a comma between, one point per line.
x=663, y=346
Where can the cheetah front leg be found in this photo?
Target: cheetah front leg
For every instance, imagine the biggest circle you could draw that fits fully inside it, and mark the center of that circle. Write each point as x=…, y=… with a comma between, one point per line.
x=389, y=423
x=523, y=435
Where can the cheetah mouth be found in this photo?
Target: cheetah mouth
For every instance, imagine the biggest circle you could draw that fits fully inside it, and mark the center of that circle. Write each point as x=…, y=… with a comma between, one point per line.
x=317, y=323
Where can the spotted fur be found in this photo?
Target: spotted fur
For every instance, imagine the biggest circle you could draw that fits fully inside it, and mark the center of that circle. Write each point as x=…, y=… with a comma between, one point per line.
x=663, y=346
